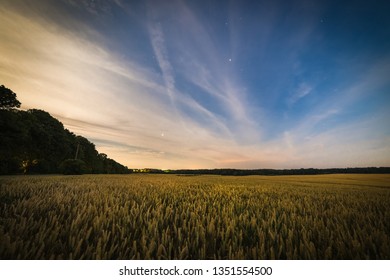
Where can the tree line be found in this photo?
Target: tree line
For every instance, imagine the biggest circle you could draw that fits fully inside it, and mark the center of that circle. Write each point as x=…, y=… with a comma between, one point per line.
x=33, y=141
x=301, y=171
x=248, y=172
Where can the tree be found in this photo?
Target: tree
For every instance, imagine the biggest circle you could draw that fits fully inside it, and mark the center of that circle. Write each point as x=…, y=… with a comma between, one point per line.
x=8, y=99
x=73, y=167
x=33, y=141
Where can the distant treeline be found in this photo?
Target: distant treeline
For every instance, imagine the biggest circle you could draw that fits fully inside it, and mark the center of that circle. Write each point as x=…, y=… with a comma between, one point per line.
x=35, y=142
x=302, y=171
x=246, y=172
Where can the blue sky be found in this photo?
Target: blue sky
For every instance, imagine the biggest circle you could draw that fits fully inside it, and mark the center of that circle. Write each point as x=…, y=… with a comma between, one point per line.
x=208, y=84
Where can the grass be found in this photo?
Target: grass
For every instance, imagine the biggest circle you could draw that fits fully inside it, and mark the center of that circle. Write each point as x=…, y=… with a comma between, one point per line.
x=195, y=217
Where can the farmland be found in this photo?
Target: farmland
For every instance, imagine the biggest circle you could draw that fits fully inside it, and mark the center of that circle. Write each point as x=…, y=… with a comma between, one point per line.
x=195, y=217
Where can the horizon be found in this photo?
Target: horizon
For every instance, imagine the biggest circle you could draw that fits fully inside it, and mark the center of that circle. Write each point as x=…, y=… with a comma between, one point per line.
x=205, y=85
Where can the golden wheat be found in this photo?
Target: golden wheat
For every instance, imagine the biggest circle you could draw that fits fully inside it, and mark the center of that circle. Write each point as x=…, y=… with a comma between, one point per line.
x=197, y=217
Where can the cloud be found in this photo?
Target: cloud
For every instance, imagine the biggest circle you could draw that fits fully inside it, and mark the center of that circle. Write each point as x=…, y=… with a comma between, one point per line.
x=350, y=145
x=96, y=7
x=303, y=90
x=211, y=79
x=157, y=38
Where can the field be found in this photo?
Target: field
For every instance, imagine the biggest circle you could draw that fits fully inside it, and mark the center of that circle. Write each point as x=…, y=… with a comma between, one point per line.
x=195, y=217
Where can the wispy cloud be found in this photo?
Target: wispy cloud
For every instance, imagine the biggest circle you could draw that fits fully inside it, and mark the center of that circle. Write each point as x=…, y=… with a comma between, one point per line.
x=96, y=7
x=303, y=90
x=210, y=71
x=158, y=43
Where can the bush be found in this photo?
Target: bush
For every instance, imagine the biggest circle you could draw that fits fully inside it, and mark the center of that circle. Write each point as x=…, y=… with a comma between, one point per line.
x=42, y=166
x=73, y=167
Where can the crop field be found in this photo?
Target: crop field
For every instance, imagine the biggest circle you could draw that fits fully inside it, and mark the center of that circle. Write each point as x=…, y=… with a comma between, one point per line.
x=143, y=216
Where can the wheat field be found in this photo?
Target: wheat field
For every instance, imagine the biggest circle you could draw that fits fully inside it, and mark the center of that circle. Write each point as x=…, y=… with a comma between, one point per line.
x=142, y=216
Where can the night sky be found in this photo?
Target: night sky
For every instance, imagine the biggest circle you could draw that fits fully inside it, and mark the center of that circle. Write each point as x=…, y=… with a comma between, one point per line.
x=208, y=84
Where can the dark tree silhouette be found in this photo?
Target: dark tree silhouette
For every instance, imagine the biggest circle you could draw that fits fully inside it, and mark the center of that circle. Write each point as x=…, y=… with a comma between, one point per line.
x=73, y=167
x=33, y=141
x=8, y=98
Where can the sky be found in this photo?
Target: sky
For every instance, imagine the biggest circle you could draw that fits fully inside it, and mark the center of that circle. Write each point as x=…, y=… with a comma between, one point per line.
x=208, y=84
